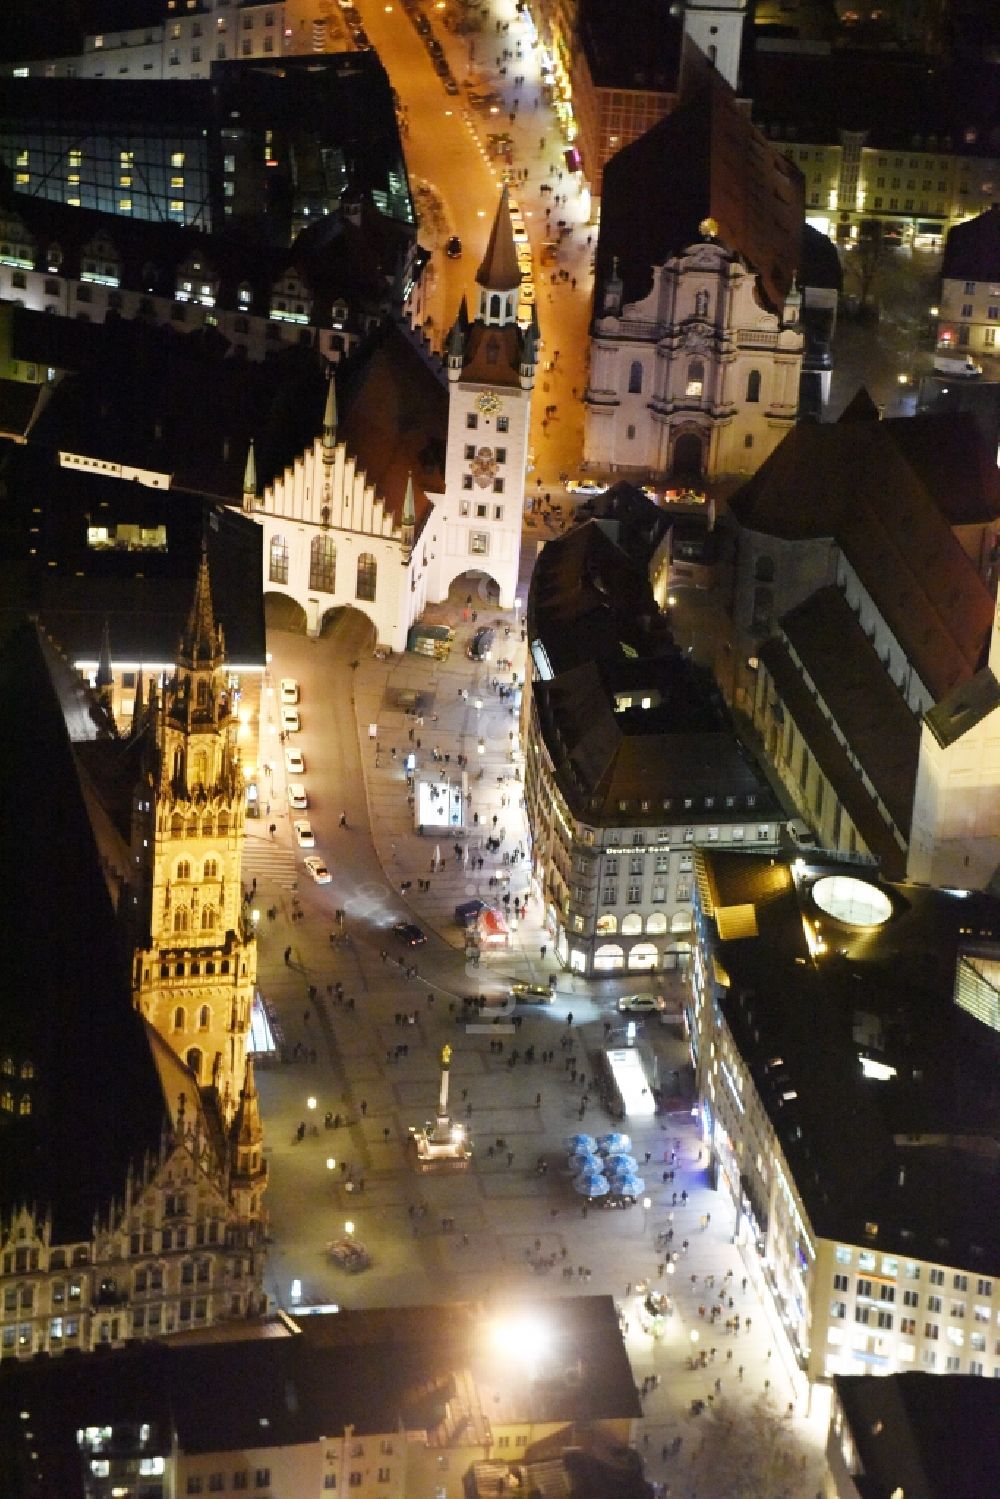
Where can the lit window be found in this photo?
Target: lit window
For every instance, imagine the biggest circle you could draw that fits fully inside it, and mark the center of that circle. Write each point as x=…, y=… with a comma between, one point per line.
x=177, y=158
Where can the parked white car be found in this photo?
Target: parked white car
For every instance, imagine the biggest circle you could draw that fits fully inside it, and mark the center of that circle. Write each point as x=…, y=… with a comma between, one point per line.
x=290, y=720
x=288, y=690
x=319, y=871
x=294, y=763
x=297, y=799
x=304, y=835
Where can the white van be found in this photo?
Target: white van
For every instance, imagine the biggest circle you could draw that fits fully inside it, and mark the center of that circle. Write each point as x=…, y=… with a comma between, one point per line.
x=959, y=369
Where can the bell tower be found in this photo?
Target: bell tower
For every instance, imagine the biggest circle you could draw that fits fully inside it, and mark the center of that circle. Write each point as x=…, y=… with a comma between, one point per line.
x=195, y=961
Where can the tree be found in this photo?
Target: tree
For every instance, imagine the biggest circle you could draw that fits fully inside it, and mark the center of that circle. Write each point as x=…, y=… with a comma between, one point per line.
x=864, y=265
x=749, y=1452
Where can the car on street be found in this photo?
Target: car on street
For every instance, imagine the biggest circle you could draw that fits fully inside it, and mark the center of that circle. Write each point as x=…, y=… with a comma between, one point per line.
x=527, y=291
x=450, y=86
x=294, y=763
x=585, y=486
x=532, y=994
x=453, y=247
x=349, y=1255
x=641, y=1004
x=290, y=720
x=481, y=644
x=409, y=932
x=318, y=870
x=304, y=835
x=289, y=690
x=297, y=799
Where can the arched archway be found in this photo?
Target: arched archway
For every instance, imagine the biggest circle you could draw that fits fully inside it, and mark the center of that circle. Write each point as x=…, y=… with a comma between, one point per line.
x=477, y=584
x=643, y=956
x=347, y=616
x=282, y=612
x=688, y=456
x=608, y=958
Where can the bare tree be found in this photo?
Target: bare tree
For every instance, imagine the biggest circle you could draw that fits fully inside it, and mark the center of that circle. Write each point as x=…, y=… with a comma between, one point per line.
x=749, y=1452
x=864, y=265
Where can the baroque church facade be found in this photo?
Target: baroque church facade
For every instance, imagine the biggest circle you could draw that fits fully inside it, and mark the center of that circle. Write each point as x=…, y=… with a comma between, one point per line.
x=423, y=481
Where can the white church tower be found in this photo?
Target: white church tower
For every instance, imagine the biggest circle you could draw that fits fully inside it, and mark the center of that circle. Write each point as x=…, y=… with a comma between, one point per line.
x=491, y=364
x=716, y=26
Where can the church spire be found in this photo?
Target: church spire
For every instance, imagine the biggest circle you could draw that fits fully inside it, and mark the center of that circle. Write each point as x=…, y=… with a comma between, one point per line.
x=202, y=638
x=250, y=479
x=409, y=519
x=500, y=270
x=330, y=420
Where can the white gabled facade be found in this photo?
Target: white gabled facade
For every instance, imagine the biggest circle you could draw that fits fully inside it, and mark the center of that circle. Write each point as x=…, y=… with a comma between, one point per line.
x=698, y=377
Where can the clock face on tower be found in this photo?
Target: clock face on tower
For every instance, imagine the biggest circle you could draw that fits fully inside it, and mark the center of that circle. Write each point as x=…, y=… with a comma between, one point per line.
x=489, y=404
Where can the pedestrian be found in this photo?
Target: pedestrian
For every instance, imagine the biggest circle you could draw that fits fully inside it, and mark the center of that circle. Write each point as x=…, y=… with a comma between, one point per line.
x=343, y=819
x=364, y=1107
x=288, y=954
x=544, y=947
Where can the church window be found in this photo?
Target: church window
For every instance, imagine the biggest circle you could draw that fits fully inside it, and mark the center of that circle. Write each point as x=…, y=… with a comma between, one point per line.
x=753, y=385
x=701, y=304
x=207, y=918
x=748, y=440
x=183, y=869
x=193, y=829
x=208, y=827
x=25, y=1107
x=223, y=822
x=193, y=1060
x=498, y=486
x=367, y=575
x=202, y=693
x=204, y=1018
x=630, y=431
x=471, y=420
x=496, y=306
x=180, y=1019
x=278, y=571
x=211, y=869
x=635, y=377
x=503, y=425
x=224, y=966
x=695, y=378
x=181, y=919
x=201, y=759
x=466, y=484
x=177, y=821
x=322, y=564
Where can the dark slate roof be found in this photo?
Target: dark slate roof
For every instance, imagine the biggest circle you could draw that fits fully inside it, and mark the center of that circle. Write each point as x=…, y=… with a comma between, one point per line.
x=851, y=481
x=381, y=1371
x=928, y=1436
x=395, y=422
x=866, y=705
x=65, y=1005
x=901, y=101
x=703, y=161
x=831, y=756
x=843, y=1135
x=144, y=596
x=972, y=249
x=964, y=707
x=18, y=405
x=595, y=632
x=954, y=463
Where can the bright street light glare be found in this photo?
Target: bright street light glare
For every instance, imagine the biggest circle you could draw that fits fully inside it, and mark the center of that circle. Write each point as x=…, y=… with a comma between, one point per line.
x=525, y=1338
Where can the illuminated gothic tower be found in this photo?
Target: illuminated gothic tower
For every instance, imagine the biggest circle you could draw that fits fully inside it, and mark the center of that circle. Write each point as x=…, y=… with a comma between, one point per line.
x=196, y=959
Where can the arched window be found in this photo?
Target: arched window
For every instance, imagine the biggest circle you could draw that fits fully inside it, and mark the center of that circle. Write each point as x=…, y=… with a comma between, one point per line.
x=367, y=575
x=496, y=306
x=635, y=377
x=656, y=924
x=631, y=924
x=695, y=378
x=223, y=822
x=680, y=921
x=606, y=926
x=7, y=1101
x=207, y=826
x=278, y=569
x=753, y=385
x=322, y=564
x=27, y=1069
x=8, y=1066
x=202, y=693
x=200, y=758
x=183, y=870
x=204, y=1018
x=211, y=869
x=511, y=308
x=180, y=1018
x=608, y=957
x=25, y=1106
x=207, y=918
x=177, y=823
x=643, y=956
x=764, y=569
x=181, y=919
x=193, y=1060
x=701, y=304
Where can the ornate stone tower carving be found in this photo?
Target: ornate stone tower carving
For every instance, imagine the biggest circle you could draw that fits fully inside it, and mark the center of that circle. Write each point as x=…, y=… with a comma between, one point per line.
x=195, y=960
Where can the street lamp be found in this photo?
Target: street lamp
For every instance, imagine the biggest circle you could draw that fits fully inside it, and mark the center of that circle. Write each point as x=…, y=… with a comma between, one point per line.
x=330, y=1163
x=694, y=1337
x=310, y=1102
x=349, y=1227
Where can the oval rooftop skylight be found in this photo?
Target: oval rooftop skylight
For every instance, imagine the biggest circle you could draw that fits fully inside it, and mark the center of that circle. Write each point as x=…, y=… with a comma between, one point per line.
x=851, y=901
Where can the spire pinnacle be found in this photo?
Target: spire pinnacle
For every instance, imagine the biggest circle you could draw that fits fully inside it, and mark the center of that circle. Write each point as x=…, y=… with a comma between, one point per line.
x=330, y=415
x=201, y=638
x=499, y=270
x=409, y=508
x=250, y=474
